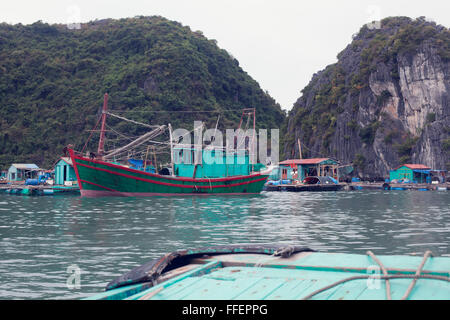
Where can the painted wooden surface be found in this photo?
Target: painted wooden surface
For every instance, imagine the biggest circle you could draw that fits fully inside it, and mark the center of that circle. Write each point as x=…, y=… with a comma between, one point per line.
x=260, y=277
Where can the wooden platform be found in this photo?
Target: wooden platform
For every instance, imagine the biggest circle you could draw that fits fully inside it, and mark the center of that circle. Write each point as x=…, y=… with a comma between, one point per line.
x=39, y=190
x=304, y=187
x=396, y=186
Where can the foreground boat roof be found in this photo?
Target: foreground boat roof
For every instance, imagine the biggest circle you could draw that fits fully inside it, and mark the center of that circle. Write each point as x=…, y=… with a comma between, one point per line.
x=302, y=275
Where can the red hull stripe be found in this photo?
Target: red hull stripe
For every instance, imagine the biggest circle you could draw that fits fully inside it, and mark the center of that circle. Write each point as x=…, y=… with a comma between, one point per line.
x=100, y=186
x=72, y=157
x=99, y=193
x=157, y=175
x=174, y=184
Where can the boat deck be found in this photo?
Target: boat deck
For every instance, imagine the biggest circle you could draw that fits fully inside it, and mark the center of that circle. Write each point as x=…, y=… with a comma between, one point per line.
x=266, y=277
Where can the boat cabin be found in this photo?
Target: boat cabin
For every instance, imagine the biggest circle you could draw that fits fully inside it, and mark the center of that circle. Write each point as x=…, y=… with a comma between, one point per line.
x=214, y=163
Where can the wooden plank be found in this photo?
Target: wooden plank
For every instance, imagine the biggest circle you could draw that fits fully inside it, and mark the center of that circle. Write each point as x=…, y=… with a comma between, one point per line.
x=430, y=290
x=352, y=290
x=288, y=290
x=260, y=290
x=183, y=290
x=398, y=288
x=309, y=286
x=208, y=289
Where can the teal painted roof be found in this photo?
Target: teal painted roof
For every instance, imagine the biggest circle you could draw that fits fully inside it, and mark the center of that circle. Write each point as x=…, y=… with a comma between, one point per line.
x=261, y=277
x=67, y=160
x=25, y=166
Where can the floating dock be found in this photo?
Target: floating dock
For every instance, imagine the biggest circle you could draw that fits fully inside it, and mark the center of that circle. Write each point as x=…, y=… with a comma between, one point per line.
x=304, y=187
x=397, y=186
x=39, y=190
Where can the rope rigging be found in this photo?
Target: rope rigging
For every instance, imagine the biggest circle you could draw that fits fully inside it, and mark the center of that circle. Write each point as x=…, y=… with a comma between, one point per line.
x=137, y=146
x=132, y=121
x=418, y=275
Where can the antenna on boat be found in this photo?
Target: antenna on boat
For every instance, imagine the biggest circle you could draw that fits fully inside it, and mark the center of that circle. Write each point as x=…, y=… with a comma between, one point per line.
x=101, y=142
x=250, y=112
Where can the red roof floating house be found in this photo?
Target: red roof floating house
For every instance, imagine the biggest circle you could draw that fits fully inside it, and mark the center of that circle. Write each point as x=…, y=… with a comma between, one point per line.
x=296, y=162
x=303, y=168
x=415, y=166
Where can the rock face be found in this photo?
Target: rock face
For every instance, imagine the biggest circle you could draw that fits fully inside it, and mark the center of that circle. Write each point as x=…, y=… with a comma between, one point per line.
x=384, y=103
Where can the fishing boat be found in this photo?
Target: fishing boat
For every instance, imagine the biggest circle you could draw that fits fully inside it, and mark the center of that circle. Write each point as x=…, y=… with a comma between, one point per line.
x=310, y=184
x=274, y=272
x=101, y=175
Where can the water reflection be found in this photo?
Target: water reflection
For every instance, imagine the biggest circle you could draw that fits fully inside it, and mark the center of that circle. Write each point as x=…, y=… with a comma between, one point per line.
x=41, y=236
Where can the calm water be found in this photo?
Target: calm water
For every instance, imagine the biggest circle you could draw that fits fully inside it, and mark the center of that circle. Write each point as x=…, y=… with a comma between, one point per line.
x=40, y=237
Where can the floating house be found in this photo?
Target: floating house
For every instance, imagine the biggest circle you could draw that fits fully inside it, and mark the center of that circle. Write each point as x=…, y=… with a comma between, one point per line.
x=282, y=172
x=23, y=171
x=299, y=169
x=64, y=172
x=417, y=173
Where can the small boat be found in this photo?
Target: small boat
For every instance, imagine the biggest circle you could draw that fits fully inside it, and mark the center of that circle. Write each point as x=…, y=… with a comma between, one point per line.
x=313, y=183
x=101, y=175
x=271, y=272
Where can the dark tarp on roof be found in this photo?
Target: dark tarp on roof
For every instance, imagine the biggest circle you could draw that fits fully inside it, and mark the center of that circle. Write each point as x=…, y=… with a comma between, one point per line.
x=319, y=180
x=152, y=270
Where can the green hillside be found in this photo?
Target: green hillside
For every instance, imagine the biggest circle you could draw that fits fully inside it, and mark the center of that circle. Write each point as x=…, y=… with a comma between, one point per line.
x=52, y=81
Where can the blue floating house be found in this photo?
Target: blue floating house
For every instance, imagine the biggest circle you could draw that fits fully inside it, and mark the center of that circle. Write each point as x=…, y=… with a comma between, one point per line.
x=64, y=171
x=414, y=173
x=23, y=171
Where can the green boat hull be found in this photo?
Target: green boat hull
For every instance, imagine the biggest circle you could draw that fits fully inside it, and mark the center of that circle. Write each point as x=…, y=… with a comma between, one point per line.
x=99, y=178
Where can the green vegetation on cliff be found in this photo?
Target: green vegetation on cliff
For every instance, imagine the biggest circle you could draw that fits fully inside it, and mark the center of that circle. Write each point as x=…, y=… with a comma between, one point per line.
x=354, y=109
x=52, y=81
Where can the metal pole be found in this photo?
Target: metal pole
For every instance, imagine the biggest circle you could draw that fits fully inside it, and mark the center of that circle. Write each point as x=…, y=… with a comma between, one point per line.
x=171, y=148
x=299, y=148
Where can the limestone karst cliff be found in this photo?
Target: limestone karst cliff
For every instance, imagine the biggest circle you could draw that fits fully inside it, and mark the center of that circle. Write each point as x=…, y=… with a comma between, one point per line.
x=384, y=103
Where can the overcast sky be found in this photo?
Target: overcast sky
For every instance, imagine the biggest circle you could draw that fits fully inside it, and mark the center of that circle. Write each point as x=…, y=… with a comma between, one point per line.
x=280, y=43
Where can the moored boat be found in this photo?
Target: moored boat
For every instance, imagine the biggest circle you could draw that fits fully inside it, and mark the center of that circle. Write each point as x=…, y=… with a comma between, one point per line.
x=101, y=175
x=271, y=272
x=99, y=178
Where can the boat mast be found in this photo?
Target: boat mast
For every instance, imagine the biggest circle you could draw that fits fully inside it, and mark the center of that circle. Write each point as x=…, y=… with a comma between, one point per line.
x=253, y=138
x=299, y=148
x=171, y=148
x=101, y=142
